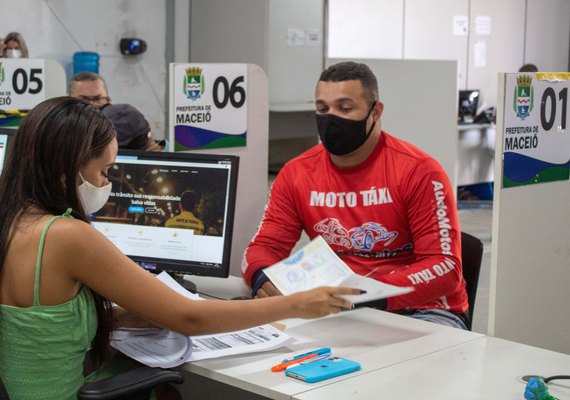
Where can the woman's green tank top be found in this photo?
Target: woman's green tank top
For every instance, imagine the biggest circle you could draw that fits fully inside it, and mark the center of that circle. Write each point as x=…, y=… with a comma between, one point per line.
x=42, y=348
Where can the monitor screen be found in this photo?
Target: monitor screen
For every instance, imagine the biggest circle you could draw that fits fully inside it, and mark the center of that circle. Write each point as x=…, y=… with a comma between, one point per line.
x=5, y=135
x=468, y=100
x=172, y=212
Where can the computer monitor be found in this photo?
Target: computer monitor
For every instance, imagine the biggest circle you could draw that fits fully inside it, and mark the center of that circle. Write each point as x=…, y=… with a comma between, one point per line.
x=5, y=137
x=468, y=100
x=172, y=212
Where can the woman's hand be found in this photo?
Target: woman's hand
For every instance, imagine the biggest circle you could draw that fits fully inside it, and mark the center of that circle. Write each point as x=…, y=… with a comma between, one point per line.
x=320, y=302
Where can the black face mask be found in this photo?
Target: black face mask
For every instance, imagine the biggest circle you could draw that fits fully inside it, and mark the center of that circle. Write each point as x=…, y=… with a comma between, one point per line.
x=341, y=136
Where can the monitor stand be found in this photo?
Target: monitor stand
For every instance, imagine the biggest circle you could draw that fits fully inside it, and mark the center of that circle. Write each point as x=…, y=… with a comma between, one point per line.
x=185, y=283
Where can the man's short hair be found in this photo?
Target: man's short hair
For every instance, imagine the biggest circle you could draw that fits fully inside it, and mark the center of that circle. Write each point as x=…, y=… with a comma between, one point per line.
x=188, y=200
x=528, y=68
x=87, y=76
x=350, y=71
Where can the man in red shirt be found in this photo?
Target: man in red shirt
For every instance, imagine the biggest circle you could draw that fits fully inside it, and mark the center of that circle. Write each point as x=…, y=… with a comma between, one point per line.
x=383, y=205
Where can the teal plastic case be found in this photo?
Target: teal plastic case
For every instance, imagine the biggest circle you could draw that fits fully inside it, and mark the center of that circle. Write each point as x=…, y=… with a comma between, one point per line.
x=320, y=370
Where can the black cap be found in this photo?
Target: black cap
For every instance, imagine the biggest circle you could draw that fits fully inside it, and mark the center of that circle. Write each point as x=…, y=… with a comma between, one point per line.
x=133, y=130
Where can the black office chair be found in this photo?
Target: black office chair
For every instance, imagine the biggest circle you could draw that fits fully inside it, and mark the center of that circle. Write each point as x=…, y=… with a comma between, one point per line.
x=136, y=384
x=471, y=255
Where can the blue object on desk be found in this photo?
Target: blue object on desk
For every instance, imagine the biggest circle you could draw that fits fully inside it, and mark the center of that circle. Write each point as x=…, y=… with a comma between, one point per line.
x=323, y=369
x=536, y=389
x=318, y=352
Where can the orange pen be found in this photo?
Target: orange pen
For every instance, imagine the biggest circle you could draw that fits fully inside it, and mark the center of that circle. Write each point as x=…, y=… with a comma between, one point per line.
x=284, y=365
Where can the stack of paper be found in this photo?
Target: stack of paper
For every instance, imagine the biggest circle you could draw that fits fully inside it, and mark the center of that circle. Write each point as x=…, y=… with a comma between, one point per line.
x=167, y=349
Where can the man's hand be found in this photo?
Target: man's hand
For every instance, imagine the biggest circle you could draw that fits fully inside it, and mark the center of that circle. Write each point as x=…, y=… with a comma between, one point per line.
x=268, y=289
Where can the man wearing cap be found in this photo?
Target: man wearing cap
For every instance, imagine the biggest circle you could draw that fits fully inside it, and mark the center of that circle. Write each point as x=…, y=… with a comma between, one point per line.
x=133, y=130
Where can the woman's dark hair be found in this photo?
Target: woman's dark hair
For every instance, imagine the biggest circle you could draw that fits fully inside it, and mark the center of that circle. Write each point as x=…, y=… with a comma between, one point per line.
x=54, y=142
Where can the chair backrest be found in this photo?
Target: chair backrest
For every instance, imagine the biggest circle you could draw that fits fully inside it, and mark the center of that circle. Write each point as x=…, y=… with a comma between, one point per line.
x=472, y=255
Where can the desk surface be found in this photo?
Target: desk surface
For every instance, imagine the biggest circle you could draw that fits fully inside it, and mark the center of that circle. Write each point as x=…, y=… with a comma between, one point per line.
x=486, y=368
x=401, y=358
x=374, y=338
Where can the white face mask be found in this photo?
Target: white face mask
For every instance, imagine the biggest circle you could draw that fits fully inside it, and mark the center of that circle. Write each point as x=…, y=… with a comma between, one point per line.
x=93, y=198
x=13, y=53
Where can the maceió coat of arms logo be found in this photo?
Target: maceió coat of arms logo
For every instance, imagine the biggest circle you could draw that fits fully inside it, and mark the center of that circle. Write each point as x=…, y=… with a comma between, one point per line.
x=523, y=97
x=194, y=84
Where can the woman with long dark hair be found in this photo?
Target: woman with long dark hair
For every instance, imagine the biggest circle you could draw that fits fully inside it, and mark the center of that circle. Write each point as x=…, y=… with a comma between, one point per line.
x=58, y=274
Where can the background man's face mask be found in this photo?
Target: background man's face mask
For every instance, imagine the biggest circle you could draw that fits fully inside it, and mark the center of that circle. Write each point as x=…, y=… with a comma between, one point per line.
x=342, y=136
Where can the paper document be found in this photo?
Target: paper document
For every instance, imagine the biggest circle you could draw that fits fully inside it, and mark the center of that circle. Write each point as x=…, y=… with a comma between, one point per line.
x=167, y=349
x=316, y=265
x=178, y=288
x=260, y=338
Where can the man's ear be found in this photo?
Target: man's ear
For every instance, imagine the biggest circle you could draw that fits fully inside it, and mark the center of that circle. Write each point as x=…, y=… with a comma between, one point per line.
x=378, y=110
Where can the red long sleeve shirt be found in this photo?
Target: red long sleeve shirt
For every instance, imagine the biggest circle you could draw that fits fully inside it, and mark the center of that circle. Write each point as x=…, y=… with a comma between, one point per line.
x=393, y=218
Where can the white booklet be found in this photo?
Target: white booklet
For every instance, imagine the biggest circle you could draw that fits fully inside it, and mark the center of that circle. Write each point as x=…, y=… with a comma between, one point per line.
x=316, y=264
x=166, y=349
